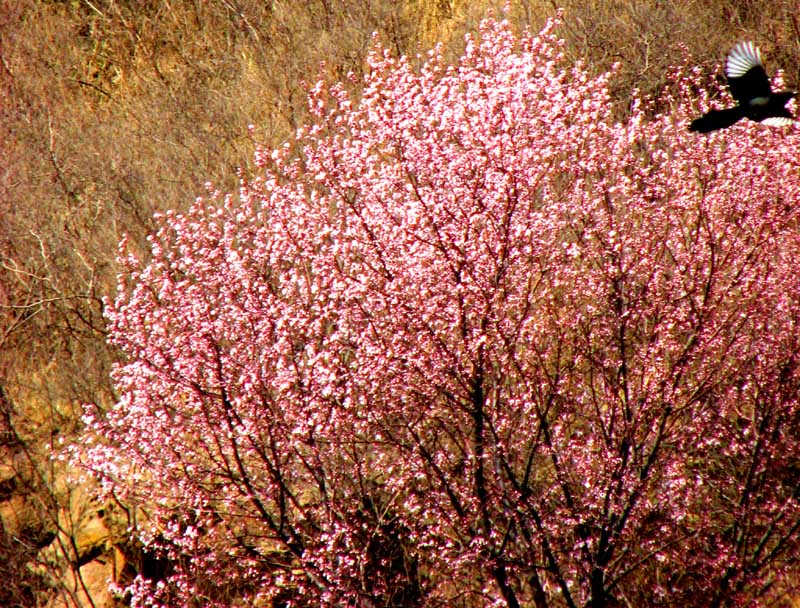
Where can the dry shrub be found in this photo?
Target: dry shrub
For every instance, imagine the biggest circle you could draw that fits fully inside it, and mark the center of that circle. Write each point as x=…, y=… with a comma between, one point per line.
x=647, y=37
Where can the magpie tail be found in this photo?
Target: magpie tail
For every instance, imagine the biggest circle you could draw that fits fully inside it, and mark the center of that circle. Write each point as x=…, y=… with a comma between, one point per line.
x=716, y=119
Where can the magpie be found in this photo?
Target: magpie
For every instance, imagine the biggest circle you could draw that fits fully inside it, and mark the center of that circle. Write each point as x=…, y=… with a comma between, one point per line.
x=750, y=87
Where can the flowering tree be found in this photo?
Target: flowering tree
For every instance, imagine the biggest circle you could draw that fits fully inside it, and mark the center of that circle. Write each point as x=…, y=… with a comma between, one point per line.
x=468, y=341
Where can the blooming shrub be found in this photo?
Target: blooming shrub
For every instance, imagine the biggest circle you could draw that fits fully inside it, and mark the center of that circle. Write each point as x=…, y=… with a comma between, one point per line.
x=468, y=341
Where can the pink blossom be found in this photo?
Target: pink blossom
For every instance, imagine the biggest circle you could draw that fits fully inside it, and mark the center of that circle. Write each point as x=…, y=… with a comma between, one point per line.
x=475, y=344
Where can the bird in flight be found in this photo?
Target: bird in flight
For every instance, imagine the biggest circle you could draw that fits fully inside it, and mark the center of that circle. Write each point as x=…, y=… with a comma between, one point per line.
x=750, y=87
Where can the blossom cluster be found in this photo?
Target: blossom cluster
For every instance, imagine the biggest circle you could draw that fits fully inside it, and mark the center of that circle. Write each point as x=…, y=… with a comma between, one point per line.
x=470, y=340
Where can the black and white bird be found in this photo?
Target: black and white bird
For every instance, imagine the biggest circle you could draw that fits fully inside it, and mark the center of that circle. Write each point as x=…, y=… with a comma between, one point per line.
x=750, y=87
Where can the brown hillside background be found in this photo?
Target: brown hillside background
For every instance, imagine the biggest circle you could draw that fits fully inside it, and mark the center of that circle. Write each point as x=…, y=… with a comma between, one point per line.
x=112, y=110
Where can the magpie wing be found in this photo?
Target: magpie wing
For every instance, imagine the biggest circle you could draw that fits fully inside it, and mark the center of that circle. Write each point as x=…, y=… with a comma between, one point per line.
x=777, y=121
x=746, y=75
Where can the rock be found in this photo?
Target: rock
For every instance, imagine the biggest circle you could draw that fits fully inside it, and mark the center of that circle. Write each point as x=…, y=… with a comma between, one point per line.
x=93, y=581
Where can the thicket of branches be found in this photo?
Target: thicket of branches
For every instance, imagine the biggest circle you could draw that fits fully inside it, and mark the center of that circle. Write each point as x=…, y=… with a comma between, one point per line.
x=467, y=340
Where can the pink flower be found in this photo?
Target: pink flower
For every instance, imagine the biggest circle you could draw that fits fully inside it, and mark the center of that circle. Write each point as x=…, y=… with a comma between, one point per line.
x=476, y=343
